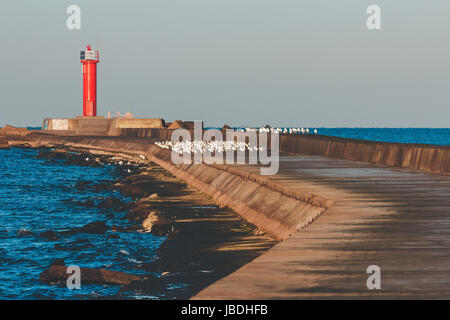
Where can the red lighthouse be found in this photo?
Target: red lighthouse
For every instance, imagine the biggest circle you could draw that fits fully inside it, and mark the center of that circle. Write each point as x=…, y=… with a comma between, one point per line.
x=89, y=59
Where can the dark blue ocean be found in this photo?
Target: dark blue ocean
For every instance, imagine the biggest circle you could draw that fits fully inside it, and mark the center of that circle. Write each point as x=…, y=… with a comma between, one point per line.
x=38, y=195
x=436, y=136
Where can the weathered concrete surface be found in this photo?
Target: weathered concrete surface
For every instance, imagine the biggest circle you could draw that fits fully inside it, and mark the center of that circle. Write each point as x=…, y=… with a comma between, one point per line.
x=395, y=218
x=152, y=133
x=276, y=211
x=99, y=125
x=428, y=158
x=139, y=123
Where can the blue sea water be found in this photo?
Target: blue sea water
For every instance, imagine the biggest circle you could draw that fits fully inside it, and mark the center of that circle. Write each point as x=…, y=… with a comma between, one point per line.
x=37, y=195
x=435, y=136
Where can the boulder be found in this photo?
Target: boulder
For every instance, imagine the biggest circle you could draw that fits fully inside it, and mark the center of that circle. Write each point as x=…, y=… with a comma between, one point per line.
x=49, y=235
x=51, y=155
x=150, y=284
x=132, y=190
x=150, y=221
x=24, y=232
x=140, y=212
x=112, y=203
x=158, y=226
x=150, y=198
x=163, y=228
x=96, y=227
x=58, y=274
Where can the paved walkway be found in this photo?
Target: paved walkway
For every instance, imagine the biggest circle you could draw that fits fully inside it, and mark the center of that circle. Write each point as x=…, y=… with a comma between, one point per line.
x=394, y=218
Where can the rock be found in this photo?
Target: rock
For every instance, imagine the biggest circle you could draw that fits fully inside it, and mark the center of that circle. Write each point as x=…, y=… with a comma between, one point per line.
x=82, y=161
x=87, y=204
x=49, y=235
x=112, y=203
x=140, y=185
x=96, y=227
x=140, y=212
x=149, y=222
x=24, y=232
x=258, y=232
x=131, y=228
x=58, y=274
x=78, y=159
x=52, y=155
x=162, y=228
x=4, y=144
x=151, y=197
x=132, y=190
x=98, y=187
x=150, y=284
x=157, y=225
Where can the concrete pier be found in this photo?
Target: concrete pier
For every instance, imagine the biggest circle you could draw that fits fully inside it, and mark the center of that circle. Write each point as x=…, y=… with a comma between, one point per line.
x=395, y=218
x=336, y=217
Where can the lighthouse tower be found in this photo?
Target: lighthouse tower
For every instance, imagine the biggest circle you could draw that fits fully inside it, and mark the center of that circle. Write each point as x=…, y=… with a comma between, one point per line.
x=89, y=59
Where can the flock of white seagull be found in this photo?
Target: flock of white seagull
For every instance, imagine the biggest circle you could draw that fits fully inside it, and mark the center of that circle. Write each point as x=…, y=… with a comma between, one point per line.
x=196, y=146
x=279, y=130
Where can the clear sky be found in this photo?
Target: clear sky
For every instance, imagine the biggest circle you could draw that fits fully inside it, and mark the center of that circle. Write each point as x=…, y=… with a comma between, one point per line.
x=241, y=62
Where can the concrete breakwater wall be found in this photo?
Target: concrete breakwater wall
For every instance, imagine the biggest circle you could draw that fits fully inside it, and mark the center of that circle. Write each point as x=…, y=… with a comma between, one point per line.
x=273, y=208
x=99, y=125
x=160, y=134
x=428, y=158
